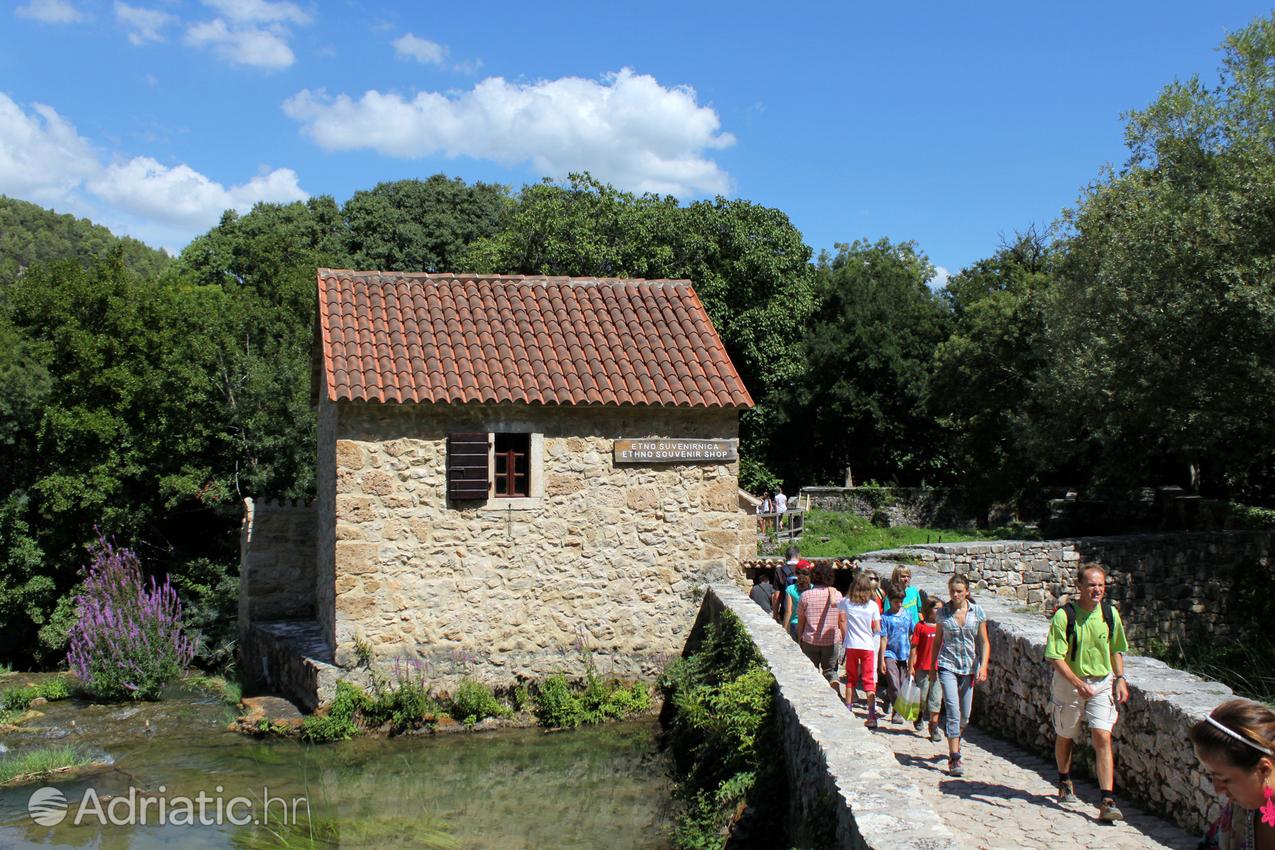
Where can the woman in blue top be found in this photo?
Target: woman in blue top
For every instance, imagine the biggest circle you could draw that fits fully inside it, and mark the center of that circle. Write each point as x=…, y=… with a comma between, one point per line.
x=963, y=650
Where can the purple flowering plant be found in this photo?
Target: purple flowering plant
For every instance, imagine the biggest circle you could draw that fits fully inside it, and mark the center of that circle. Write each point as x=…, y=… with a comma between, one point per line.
x=127, y=642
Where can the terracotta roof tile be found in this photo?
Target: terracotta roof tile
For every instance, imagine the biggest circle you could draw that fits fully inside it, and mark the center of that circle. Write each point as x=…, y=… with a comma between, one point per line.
x=506, y=338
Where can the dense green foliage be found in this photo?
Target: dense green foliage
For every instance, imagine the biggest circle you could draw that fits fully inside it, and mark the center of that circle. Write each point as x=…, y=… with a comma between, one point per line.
x=721, y=731
x=559, y=705
x=147, y=397
x=19, y=698
x=31, y=235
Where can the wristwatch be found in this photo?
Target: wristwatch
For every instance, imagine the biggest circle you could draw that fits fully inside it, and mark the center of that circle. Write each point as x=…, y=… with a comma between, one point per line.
x=1121, y=676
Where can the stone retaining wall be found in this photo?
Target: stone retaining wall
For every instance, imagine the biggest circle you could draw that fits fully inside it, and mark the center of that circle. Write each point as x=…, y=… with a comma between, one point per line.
x=1168, y=586
x=1154, y=760
x=276, y=562
x=846, y=788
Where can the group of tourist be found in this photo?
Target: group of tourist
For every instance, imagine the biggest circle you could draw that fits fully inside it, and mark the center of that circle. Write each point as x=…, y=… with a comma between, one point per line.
x=889, y=633
x=771, y=504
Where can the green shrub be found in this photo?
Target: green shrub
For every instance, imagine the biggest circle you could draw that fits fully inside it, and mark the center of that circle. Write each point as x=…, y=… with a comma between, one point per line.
x=19, y=699
x=472, y=701
x=407, y=705
x=339, y=723
x=722, y=714
x=560, y=706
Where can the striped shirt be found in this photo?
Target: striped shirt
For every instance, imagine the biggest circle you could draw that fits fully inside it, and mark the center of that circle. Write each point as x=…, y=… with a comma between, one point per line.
x=959, y=652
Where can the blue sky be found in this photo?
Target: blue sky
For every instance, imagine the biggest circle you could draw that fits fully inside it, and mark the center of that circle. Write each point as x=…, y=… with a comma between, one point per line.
x=948, y=124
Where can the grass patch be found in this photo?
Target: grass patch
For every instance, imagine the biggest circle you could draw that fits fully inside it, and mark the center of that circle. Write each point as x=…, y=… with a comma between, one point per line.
x=850, y=535
x=35, y=763
x=19, y=699
x=229, y=691
x=473, y=701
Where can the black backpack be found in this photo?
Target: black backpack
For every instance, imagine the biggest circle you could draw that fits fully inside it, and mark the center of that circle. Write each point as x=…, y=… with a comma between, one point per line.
x=1108, y=617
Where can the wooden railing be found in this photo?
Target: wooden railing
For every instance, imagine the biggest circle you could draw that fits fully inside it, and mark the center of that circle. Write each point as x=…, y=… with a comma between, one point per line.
x=786, y=526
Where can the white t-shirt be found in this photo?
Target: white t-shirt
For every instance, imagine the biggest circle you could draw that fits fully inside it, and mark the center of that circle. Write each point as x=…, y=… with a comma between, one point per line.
x=781, y=503
x=859, y=619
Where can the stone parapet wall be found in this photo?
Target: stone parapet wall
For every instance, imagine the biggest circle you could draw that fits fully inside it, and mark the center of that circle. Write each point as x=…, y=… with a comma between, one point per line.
x=276, y=562
x=1154, y=760
x=845, y=788
x=605, y=557
x=291, y=658
x=1167, y=586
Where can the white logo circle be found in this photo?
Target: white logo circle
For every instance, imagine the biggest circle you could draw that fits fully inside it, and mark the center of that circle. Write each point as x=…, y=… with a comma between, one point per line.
x=47, y=806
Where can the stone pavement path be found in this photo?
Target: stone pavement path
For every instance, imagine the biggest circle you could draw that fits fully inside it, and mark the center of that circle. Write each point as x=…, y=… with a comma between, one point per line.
x=1006, y=799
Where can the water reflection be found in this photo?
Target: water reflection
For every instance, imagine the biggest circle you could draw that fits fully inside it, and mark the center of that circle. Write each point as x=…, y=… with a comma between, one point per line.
x=601, y=787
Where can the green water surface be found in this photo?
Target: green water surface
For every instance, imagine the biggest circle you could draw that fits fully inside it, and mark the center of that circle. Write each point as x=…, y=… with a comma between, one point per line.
x=519, y=788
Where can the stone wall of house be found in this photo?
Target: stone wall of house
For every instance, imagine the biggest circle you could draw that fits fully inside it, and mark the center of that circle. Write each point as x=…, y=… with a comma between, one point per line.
x=611, y=559
x=845, y=787
x=1167, y=586
x=276, y=562
x=1154, y=760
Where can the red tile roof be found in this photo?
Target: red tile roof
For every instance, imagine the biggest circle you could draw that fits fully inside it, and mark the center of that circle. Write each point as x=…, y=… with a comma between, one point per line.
x=393, y=337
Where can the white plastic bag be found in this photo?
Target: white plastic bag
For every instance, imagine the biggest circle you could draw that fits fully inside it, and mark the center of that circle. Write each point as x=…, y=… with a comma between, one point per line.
x=908, y=702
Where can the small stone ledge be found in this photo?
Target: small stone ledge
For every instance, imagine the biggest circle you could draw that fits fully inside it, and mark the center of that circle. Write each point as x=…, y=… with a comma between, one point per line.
x=846, y=789
x=1154, y=761
x=293, y=660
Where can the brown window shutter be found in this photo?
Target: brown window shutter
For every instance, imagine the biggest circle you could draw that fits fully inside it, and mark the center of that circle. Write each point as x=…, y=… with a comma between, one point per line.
x=467, y=475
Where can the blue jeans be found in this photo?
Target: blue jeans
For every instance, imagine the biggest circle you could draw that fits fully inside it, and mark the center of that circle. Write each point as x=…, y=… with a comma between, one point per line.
x=958, y=699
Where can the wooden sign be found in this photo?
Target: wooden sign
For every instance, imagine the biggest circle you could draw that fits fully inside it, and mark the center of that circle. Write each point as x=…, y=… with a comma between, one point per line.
x=675, y=451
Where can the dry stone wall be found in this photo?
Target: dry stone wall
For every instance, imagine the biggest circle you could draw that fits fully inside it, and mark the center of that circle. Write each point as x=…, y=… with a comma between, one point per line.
x=845, y=788
x=611, y=558
x=1168, y=586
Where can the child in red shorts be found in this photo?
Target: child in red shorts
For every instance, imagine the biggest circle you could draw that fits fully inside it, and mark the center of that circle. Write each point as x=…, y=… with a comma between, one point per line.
x=863, y=636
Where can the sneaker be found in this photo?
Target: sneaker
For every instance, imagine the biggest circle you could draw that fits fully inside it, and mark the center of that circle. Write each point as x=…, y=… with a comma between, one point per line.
x=917, y=725
x=871, y=722
x=936, y=736
x=1067, y=792
x=1107, y=811
x=954, y=766
x=895, y=718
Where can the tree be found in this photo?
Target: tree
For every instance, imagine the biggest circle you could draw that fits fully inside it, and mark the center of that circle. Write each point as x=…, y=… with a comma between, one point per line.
x=867, y=354
x=421, y=226
x=1161, y=324
x=982, y=387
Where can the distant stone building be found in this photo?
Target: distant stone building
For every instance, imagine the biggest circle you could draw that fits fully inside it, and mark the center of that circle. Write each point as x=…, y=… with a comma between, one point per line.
x=510, y=470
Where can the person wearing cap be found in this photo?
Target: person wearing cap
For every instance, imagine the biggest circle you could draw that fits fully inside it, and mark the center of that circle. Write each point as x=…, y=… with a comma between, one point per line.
x=1086, y=647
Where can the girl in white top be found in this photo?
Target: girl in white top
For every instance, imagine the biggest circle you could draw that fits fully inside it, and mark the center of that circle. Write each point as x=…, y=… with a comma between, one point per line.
x=862, y=637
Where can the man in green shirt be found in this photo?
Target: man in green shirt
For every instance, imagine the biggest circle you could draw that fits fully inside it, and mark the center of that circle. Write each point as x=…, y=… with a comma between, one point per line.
x=1085, y=646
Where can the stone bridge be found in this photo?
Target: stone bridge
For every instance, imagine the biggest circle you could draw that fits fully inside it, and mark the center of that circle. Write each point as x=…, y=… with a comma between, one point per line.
x=889, y=789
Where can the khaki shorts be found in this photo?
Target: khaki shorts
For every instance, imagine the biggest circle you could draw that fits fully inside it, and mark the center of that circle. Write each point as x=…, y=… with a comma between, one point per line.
x=1067, y=707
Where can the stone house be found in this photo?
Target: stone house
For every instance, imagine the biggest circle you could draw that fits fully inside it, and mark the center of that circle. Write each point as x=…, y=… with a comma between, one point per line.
x=511, y=470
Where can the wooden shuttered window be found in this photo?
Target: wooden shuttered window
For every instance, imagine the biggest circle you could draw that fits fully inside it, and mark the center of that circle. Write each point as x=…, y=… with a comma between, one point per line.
x=467, y=474
x=512, y=461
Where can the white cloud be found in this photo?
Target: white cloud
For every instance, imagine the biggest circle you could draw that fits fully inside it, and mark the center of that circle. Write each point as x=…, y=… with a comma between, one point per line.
x=253, y=46
x=43, y=159
x=143, y=24
x=627, y=129
x=421, y=49
x=182, y=196
x=259, y=11
x=939, y=280
x=50, y=11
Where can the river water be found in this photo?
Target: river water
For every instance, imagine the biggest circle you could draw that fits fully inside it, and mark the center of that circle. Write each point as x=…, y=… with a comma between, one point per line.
x=518, y=788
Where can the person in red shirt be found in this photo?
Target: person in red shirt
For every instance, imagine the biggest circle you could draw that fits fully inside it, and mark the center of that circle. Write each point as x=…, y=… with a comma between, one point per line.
x=924, y=667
